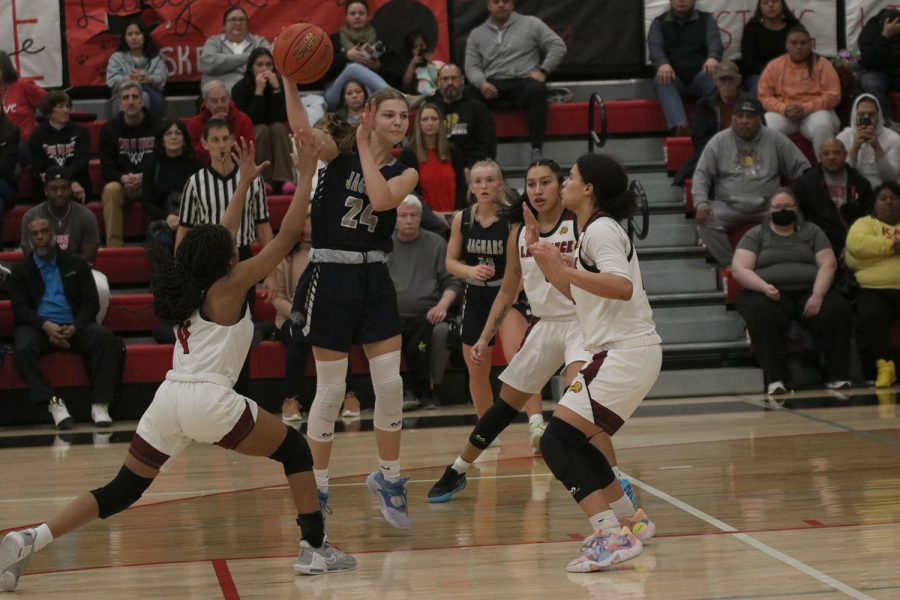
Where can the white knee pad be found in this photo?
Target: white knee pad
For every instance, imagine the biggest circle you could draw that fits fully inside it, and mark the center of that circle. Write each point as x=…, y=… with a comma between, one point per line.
x=388, y=387
x=330, y=387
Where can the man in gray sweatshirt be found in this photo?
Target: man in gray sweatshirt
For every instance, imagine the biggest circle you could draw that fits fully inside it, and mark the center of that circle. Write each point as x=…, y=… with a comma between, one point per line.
x=745, y=164
x=508, y=57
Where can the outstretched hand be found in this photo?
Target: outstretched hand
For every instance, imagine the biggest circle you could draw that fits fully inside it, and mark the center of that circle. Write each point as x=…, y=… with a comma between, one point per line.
x=244, y=154
x=308, y=147
x=366, y=123
x=532, y=229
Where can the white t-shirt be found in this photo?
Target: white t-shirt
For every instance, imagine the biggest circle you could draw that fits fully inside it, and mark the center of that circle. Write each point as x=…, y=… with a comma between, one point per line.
x=606, y=323
x=546, y=301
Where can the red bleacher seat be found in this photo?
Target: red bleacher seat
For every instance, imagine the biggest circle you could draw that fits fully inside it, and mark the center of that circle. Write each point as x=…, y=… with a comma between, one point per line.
x=135, y=220
x=805, y=147
x=120, y=265
x=678, y=150
x=278, y=206
x=94, y=132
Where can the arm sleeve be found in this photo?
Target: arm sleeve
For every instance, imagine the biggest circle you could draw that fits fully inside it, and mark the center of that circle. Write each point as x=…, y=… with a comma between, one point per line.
x=714, y=47
x=703, y=175
x=830, y=83
x=260, y=202
x=187, y=213
x=35, y=94
x=214, y=62
x=115, y=71
x=767, y=90
x=889, y=165
x=656, y=47
x=158, y=72
x=607, y=246
x=23, y=312
x=553, y=46
x=864, y=241
x=474, y=60
x=82, y=154
x=751, y=241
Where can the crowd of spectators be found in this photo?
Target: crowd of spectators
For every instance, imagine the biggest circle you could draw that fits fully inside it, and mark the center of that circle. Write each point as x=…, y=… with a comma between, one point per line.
x=182, y=175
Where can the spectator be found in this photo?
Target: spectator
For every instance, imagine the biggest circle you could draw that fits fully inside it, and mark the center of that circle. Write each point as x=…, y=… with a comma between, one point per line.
x=360, y=56
x=55, y=305
x=138, y=59
x=126, y=145
x=62, y=143
x=224, y=56
x=685, y=47
x=508, y=58
x=259, y=95
x=442, y=177
x=165, y=175
x=879, y=46
x=421, y=74
x=873, y=252
x=469, y=123
x=833, y=195
x=9, y=167
x=799, y=91
x=786, y=268
x=712, y=114
x=353, y=101
x=745, y=165
x=217, y=104
x=764, y=39
x=74, y=226
x=873, y=149
x=425, y=293
x=20, y=99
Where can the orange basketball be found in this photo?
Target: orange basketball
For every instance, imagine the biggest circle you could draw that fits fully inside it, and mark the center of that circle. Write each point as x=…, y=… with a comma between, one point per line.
x=303, y=53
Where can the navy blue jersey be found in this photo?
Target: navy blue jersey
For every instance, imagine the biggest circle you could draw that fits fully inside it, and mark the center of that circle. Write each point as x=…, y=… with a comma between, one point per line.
x=342, y=217
x=484, y=246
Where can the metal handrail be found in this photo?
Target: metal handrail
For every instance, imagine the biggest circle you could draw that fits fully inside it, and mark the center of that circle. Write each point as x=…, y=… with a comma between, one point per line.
x=594, y=138
x=643, y=210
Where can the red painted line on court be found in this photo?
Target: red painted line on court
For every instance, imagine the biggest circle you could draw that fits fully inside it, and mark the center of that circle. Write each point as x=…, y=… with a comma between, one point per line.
x=226, y=582
x=814, y=523
x=575, y=536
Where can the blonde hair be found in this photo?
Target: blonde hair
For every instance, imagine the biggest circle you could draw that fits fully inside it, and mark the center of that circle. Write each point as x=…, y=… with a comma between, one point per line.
x=418, y=141
x=506, y=196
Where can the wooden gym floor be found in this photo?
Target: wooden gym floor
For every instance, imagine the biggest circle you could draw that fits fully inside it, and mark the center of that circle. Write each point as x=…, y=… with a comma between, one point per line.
x=749, y=502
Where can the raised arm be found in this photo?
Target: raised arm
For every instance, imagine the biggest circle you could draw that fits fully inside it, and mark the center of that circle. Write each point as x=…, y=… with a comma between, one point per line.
x=298, y=119
x=245, y=155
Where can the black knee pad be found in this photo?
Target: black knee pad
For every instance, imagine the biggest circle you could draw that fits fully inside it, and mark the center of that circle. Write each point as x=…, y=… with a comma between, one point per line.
x=574, y=461
x=293, y=453
x=125, y=489
x=496, y=419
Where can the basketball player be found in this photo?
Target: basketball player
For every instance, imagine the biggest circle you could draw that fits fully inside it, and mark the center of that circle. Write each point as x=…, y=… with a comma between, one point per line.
x=477, y=253
x=202, y=292
x=618, y=329
x=346, y=295
x=553, y=339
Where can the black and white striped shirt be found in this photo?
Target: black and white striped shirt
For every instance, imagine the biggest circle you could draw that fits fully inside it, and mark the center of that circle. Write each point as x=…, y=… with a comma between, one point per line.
x=206, y=196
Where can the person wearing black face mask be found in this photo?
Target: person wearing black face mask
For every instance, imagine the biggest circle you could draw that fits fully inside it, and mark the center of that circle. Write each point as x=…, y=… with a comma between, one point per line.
x=786, y=267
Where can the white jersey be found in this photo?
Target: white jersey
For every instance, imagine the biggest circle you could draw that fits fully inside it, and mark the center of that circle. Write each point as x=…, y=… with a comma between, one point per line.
x=546, y=301
x=206, y=348
x=604, y=247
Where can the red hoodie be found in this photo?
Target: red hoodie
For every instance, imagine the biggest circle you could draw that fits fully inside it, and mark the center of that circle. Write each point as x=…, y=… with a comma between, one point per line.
x=20, y=100
x=238, y=122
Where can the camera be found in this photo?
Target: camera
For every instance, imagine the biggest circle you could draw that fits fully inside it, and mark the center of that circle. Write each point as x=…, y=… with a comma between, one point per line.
x=864, y=122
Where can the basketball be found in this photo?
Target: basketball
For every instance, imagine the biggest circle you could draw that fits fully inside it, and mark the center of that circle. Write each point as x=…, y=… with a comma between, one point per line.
x=303, y=53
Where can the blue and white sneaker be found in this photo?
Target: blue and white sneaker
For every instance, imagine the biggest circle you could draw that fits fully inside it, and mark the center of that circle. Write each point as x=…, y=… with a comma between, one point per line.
x=392, y=498
x=629, y=491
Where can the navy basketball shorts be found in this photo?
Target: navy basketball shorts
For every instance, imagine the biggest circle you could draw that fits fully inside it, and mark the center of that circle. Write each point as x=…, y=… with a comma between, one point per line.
x=475, y=311
x=341, y=305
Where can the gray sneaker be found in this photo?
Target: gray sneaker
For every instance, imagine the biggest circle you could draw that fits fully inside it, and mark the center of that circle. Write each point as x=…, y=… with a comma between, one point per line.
x=318, y=561
x=15, y=554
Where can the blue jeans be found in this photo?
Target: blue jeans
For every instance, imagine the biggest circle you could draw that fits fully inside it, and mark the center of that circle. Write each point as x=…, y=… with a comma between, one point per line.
x=368, y=78
x=879, y=83
x=751, y=85
x=670, y=96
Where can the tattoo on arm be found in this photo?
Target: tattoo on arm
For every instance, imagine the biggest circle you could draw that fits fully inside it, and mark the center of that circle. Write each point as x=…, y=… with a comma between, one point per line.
x=499, y=319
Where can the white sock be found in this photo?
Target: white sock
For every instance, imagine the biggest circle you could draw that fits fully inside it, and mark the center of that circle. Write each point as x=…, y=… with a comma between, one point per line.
x=391, y=470
x=42, y=537
x=460, y=466
x=536, y=419
x=605, y=521
x=617, y=472
x=321, y=476
x=623, y=508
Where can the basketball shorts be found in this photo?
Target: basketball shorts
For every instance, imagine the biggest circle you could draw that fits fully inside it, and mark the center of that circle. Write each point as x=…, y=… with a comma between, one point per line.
x=546, y=347
x=475, y=311
x=339, y=305
x=611, y=386
x=191, y=408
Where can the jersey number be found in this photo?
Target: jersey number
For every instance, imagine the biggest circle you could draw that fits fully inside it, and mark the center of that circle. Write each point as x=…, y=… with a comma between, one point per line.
x=183, y=334
x=366, y=218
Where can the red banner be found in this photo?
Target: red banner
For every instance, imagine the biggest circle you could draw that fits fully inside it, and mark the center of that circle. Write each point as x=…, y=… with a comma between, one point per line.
x=182, y=26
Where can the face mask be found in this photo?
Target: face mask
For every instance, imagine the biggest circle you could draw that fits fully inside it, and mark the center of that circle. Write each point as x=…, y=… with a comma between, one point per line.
x=784, y=217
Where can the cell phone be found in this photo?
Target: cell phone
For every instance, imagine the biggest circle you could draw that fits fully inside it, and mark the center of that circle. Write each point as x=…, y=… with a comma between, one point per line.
x=864, y=122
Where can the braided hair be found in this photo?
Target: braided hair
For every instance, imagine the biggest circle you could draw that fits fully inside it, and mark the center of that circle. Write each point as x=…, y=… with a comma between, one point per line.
x=179, y=282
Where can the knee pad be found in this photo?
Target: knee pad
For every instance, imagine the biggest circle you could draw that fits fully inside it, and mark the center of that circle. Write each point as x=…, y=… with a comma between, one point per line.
x=388, y=387
x=125, y=489
x=330, y=387
x=293, y=453
x=574, y=461
x=496, y=419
